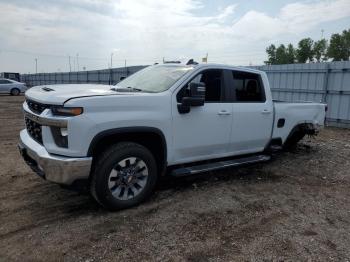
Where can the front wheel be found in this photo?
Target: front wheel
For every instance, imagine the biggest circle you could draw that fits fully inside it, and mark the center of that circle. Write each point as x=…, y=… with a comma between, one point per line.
x=124, y=176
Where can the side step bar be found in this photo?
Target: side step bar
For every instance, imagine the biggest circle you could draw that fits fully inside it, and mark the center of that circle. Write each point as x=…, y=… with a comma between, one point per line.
x=184, y=171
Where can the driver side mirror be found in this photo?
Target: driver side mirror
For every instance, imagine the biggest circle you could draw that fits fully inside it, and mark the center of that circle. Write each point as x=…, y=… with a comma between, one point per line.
x=196, y=97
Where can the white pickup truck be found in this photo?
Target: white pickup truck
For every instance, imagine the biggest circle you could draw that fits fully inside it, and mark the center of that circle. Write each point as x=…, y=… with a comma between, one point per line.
x=166, y=119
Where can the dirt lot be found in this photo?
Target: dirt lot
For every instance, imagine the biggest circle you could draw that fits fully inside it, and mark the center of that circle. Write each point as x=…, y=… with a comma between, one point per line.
x=295, y=207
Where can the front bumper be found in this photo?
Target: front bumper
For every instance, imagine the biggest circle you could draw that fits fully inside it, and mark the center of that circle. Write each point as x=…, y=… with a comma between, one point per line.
x=54, y=168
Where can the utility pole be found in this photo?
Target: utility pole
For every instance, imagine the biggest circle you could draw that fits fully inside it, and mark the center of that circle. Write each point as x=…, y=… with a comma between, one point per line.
x=111, y=59
x=36, y=65
x=322, y=31
x=78, y=61
x=70, y=65
x=125, y=63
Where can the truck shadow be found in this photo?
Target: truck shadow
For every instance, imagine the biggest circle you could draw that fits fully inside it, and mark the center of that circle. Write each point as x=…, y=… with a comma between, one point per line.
x=247, y=174
x=253, y=173
x=52, y=203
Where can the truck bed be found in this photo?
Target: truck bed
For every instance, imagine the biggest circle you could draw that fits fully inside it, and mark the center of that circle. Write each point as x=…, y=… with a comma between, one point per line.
x=295, y=113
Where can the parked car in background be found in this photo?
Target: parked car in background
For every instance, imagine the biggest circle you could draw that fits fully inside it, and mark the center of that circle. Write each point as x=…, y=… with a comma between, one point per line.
x=12, y=87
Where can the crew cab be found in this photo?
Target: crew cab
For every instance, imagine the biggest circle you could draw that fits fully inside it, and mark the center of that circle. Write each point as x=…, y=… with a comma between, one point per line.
x=166, y=119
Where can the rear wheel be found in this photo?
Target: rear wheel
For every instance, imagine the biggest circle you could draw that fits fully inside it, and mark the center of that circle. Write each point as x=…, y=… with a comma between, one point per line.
x=124, y=176
x=15, y=92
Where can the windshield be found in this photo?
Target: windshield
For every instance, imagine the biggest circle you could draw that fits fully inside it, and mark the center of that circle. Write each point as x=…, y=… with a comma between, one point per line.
x=154, y=78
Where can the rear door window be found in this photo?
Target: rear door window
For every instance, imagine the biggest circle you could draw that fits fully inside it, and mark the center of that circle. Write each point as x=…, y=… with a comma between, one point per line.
x=247, y=87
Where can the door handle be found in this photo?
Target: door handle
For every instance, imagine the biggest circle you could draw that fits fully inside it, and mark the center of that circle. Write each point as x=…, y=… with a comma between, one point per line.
x=266, y=111
x=224, y=113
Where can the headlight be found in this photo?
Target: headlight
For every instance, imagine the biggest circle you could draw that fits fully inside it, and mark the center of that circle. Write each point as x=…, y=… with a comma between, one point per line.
x=66, y=111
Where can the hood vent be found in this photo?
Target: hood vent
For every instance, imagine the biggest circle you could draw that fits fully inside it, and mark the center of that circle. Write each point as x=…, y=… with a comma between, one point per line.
x=47, y=89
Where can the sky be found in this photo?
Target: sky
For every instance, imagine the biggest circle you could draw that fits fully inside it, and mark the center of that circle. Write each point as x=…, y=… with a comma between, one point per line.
x=64, y=35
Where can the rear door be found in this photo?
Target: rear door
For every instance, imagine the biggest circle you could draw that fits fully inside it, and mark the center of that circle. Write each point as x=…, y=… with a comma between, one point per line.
x=252, y=113
x=204, y=132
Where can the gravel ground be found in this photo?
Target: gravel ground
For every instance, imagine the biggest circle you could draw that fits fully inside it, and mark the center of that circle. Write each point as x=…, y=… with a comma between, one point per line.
x=296, y=207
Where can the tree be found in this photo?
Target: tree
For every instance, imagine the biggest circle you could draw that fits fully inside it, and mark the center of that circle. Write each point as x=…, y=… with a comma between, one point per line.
x=290, y=54
x=339, y=46
x=305, y=52
x=320, y=50
x=280, y=55
x=271, y=55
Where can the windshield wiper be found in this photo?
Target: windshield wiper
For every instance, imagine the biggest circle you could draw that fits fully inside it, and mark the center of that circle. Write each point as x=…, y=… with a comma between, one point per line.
x=126, y=89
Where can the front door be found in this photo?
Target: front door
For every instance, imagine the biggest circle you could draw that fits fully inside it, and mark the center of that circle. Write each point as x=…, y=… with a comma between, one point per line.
x=204, y=132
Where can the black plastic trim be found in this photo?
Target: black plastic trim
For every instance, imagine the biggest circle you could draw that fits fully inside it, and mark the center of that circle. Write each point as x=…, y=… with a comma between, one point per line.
x=127, y=130
x=61, y=141
x=281, y=122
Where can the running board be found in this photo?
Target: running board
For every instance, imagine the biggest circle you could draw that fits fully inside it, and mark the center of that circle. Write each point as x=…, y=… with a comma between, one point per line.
x=184, y=171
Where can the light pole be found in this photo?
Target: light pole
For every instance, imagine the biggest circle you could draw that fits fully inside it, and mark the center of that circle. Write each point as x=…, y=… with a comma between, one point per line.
x=36, y=65
x=70, y=65
x=111, y=59
x=78, y=61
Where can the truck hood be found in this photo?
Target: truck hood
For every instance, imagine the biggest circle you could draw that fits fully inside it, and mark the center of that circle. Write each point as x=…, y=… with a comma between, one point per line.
x=58, y=94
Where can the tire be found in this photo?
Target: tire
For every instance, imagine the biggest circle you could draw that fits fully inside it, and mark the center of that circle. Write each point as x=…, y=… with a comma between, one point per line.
x=124, y=176
x=15, y=92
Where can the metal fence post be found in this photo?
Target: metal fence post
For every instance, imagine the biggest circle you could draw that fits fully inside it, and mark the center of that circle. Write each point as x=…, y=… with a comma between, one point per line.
x=110, y=77
x=325, y=84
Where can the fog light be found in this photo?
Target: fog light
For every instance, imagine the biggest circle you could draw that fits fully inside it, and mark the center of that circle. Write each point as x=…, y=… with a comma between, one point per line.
x=64, y=131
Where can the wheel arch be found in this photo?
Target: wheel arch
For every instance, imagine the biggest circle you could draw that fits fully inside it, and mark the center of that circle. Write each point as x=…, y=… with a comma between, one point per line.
x=299, y=130
x=150, y=137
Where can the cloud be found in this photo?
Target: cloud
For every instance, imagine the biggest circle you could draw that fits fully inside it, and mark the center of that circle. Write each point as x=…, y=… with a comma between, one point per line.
x=146, y=30
x=300, y=17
